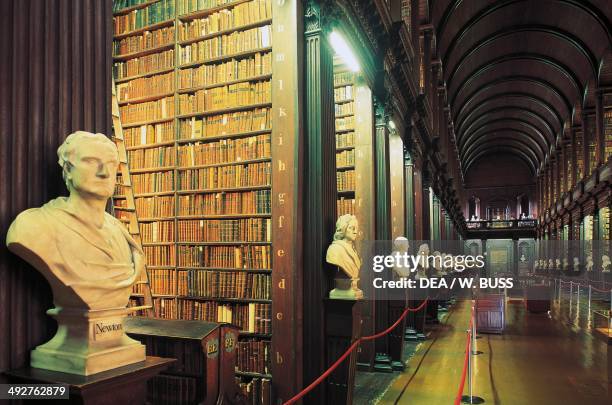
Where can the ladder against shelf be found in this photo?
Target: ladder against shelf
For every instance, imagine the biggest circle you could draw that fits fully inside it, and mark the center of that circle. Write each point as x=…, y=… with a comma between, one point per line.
x=125, y=210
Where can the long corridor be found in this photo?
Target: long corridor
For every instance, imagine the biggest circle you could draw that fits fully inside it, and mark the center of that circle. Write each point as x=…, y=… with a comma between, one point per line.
x=538, y=360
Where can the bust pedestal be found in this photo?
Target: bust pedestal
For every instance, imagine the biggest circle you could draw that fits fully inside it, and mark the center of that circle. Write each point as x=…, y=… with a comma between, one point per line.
x=88, y=342
x=342, y=328
x=123, y=385
x=346, y=289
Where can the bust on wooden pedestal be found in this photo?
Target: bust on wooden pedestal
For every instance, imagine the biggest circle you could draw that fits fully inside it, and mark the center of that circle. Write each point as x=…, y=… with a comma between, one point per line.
x=343, y=254
x=89, y=259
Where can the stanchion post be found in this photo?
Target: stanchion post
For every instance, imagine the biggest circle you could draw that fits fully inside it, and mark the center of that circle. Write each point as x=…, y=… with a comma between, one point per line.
x=578, y=300
x=590, y=294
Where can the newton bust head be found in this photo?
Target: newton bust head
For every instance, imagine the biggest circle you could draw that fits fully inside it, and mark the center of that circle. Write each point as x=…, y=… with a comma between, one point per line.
x=88, y=257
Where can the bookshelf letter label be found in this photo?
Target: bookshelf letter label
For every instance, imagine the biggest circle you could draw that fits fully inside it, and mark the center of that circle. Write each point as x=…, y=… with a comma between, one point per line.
x=281, y=198
x=282, y=112
x=281, y=284
x=280, y=57
x=280, y=84
x=280, y=253
x=279, y=316
x=281, y=219
x=281, y=166
x=279, y=358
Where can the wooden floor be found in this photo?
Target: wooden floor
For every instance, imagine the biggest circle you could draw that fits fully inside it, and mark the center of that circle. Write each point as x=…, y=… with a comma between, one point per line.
x=538, y=360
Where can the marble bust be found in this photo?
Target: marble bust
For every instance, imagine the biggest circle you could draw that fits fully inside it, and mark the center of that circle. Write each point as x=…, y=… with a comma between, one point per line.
x=342, y=253
x=605, y=264
x=401, y=246
x=589, y=263
x=576, y=264
x=89, y=259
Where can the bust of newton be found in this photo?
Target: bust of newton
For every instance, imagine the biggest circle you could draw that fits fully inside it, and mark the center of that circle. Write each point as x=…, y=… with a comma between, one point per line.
x=343, y=254
x=89, y=259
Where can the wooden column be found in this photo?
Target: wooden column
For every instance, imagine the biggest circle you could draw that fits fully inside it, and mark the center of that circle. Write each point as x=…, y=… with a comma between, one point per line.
x=425, y=206
x=365, y=189
x=398, y=181
x=409, y=189
x=383, y=225
x=319, y=191
x=286, y=198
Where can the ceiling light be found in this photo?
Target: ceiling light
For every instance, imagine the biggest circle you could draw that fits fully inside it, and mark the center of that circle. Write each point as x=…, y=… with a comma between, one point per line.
x=343, y=51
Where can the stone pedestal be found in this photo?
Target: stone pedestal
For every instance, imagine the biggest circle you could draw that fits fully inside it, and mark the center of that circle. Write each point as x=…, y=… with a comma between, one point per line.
x=87, y=342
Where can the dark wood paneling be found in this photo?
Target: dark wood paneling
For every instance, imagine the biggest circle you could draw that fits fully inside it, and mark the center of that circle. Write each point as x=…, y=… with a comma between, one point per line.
x=46, y=94
x=319, y=193
x=287, y=187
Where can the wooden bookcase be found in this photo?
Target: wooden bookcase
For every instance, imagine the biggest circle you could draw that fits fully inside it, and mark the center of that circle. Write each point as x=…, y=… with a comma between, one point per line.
x=344, y=110
x=195, y=88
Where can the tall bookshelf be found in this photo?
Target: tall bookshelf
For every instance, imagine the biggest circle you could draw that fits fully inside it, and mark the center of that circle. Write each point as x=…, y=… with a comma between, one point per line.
x=344, y=109
x=607, y=126
x=194, y=81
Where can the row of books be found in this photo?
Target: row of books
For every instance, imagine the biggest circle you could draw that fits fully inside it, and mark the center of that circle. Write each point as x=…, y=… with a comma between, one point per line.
x=146, y=40
x=146, y=86
x=188, y=353
x=345, y=158
x=119, y=5
x=137, y=301
x=346, y=123
x=154, y=207
x=343, y=78
x=225, y=230
x=345, y=108
x=164, y=308
x=345, y=139
x=258, y=391
x=233, y=95
x=257, y=119
x=190, y=6
x=166, y=389
x=607, y=128
x=345, y=206
x=236, y=17
x=247, y=175
x=227, y=284
x=162, y=156
x=226, y=45
x=343, y=93
x=153, y=182
x=157, y=231
x=151, y=110
x=345, y=180
x=224, y=151
x=148, y=134
x=251, y=317
x=162, y=281
x=144, y=64
x=155, y=13
x=246, y=202
x=160, y=255
x=235, y=69
x=253, y=356
x=238, y=257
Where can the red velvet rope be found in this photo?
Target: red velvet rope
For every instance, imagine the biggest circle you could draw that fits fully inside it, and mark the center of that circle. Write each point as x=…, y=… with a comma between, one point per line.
x=355, y=344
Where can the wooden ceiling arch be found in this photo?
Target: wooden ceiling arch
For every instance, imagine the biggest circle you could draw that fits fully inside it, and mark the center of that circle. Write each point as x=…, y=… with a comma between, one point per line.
x=517, y=71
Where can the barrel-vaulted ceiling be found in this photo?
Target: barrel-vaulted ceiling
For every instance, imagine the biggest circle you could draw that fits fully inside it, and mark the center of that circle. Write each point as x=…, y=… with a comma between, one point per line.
x=517, y=71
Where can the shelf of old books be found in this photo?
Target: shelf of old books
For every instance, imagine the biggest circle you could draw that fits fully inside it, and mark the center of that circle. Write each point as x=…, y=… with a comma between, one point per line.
x=195, y=93
x=607, y=126
x=344, y=110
